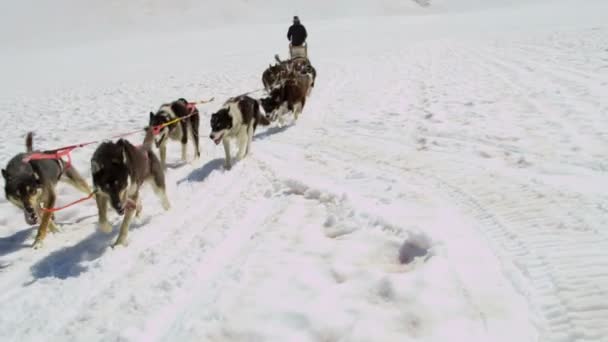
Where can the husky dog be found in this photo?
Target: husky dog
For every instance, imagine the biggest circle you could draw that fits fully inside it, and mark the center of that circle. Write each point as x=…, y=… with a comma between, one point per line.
x=119, y=170
x=178, y=130
x=300, y=65
x=30, y=185
x=237, y=119
x=275, y=75
x=289, y=97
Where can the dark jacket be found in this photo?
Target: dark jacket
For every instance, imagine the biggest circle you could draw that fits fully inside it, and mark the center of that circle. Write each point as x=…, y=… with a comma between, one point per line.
x=297, y=34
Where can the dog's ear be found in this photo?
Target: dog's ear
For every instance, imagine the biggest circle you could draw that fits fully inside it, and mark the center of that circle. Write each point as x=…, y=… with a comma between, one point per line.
x=151, y=116
x=4, y=174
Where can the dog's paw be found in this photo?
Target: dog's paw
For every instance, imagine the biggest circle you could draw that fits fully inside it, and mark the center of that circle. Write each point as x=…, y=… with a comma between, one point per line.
x=138, y=209
x=105, y=227
x=54, y=228
x=227, y=166
x=122, y=243
x=166, y=204
x=37, y=244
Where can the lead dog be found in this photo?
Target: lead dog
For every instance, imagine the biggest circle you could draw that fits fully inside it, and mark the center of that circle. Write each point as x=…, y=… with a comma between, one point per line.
x=31, y=184
x=237, y=119
x=119, y=171
x=189, y=125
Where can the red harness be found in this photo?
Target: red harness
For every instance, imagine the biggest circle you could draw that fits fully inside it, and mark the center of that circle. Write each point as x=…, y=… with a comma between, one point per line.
x=59, y=153
x=56, y=155
x=191, y=107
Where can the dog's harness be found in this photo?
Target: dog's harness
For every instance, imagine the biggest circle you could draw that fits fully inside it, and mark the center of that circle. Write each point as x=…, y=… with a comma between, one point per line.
x=192, y=110
x=191, y=107
x=58, y=154
x=55, y=209
x=54, y=155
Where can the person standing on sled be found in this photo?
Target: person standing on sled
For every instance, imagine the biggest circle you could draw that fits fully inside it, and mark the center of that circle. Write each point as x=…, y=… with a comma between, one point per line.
x=297, y=36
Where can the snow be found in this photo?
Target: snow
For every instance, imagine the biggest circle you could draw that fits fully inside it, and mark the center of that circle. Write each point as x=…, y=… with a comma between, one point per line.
x=446, y=181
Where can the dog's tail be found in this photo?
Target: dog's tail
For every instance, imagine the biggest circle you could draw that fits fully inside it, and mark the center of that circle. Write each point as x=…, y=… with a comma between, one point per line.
x=260, y=118
x=29, y=142
x=148, y=139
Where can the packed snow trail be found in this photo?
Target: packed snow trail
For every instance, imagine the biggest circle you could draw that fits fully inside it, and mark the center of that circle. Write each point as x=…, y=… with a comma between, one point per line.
x=485, y=149
x=529, y=178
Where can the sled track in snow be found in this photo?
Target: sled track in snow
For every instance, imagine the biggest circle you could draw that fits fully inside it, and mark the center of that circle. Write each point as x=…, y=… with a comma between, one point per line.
x=107, y=309
x=549, y=239
x=344, y=156
x=201, y=309
x=551, y=235
x=550, y=258
x=194, y=257
x=216, y=268
x=543, y=246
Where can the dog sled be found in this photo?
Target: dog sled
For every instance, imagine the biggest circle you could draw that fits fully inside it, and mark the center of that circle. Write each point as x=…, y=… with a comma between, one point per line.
x=298, y=51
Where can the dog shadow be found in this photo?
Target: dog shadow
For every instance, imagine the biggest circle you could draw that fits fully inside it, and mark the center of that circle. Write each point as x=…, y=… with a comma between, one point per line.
x=69, y=262
x=200, y=174
x=76, y=221
x=176, y=165
x=271, y=131
x=15, y=242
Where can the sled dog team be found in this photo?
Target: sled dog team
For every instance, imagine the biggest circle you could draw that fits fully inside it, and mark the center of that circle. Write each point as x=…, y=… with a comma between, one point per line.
x=119, y=168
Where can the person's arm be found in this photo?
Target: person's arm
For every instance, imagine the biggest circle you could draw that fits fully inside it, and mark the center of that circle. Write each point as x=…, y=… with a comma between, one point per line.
x=305, y=33
x=290, y=33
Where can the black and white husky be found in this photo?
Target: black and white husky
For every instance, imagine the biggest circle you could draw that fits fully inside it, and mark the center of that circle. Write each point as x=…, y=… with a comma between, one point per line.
x=178, y=131
x=237, y=119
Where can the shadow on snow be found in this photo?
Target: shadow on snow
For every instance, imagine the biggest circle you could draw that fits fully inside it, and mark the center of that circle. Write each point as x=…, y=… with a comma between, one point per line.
x=70, y=262
x=271, y=131
x=15, y=242
x=200, y=174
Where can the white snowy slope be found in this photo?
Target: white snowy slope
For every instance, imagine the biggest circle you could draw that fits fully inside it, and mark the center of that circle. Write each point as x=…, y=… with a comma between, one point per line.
x=472, y=132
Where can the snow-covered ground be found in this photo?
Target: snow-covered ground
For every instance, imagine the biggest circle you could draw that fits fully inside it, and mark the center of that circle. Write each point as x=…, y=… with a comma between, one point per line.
x=475, y=132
